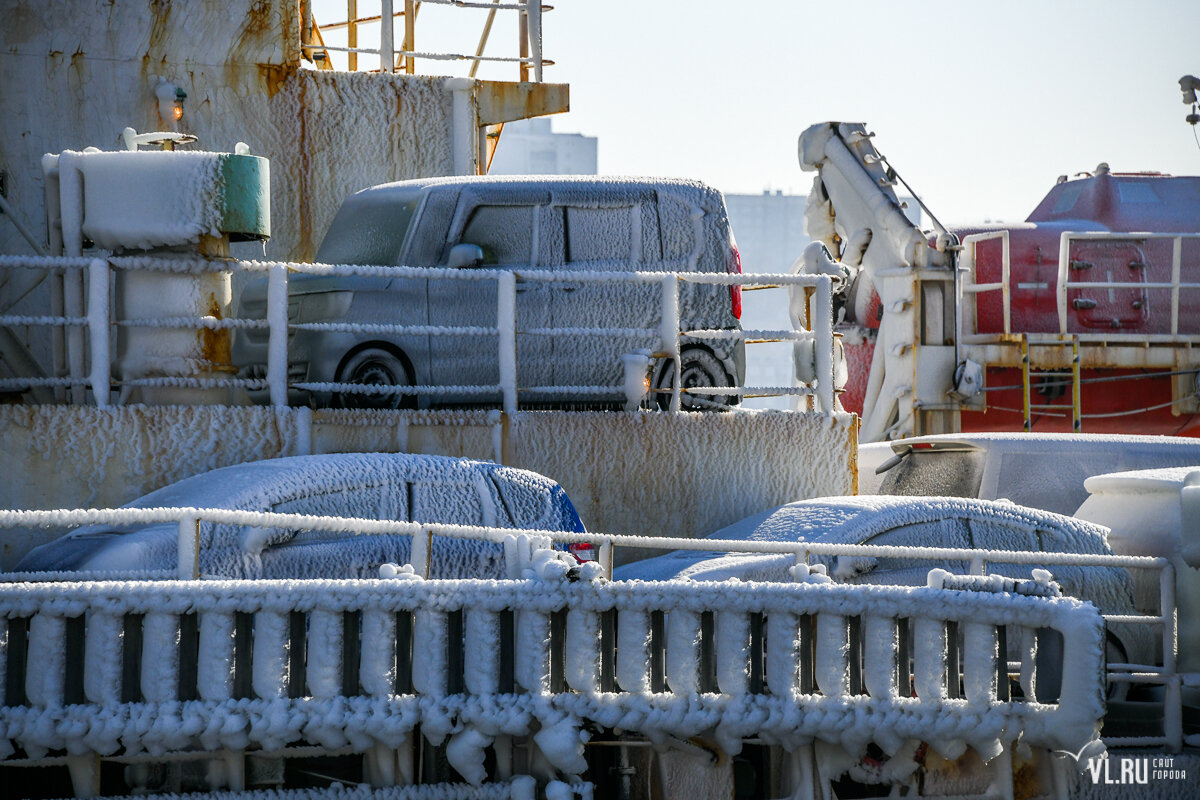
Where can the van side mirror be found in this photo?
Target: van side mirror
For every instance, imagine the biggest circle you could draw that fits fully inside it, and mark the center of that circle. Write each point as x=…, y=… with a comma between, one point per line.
x=465, y=255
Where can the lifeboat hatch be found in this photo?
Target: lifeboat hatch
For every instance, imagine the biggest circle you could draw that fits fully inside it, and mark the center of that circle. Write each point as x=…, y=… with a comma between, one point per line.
x=1110, y=298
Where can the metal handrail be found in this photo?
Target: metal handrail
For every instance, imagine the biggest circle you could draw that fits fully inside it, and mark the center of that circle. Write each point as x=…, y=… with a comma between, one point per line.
x=392, y=59
x=98, y=319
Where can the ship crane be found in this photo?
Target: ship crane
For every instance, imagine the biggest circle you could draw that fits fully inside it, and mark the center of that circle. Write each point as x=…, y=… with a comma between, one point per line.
x=1084, y=317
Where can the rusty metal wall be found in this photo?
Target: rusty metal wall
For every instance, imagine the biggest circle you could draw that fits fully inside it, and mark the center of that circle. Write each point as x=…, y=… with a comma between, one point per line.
x=77, y=72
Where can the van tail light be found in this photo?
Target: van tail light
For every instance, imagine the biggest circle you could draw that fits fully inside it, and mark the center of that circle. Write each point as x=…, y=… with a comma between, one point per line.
x=583, y=551
x=735, y=292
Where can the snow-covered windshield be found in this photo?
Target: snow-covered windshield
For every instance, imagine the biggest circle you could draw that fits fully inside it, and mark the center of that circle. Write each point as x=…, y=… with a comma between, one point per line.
x=370, y=228
x=946, y=473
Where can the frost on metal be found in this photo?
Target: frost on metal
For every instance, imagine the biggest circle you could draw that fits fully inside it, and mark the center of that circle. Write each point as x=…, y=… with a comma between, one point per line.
x=788, y=709
x=679, y=475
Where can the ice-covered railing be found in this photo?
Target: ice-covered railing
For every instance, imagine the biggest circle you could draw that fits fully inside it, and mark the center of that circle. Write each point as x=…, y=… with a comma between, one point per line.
x=1175, y=256
x=119, y=669
x=1164, y=624
x=83, y=325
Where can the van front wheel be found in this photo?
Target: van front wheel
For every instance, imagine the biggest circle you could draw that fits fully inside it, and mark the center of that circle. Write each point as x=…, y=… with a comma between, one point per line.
x=700, y=369
x=374, y=367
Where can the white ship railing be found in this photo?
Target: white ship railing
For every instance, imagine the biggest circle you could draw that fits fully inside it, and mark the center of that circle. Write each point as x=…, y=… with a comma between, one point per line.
x=118, y=669
x=88, y=360
x=1164, y=623
x=1176, y=285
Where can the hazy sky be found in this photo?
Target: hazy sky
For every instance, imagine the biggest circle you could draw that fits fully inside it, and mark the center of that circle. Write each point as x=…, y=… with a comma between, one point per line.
x=979, y=106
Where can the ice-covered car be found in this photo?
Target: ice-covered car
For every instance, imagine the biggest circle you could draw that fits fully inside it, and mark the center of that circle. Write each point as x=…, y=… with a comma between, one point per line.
x=533, y=226
x=1039, y=470
x=947, y=522
x=388, y=486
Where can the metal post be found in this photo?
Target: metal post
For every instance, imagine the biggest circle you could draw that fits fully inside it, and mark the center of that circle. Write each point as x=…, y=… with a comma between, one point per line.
x=523, y=34
x=352, y=33
x=669, y=333
x=277, y=325
x=188, y=558
x=606, y=557
x=410, y=32
x=419, y=554
x=1173, y=697
x=306, y=28
x=1176, y=262
x=506, y=325
x=534, y=10
x=100, y=375
x=1064, y=259
x=1005, y=293
x=387, y=49
x=1028, y=424
x=823, y=330
x=1076, y=388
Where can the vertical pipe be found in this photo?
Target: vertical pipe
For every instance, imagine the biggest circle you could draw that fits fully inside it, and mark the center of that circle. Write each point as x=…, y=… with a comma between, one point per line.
x=277, y=323
x=1173, y=701
x=97, y=322
x=352, y=33
x=980, y=680
x=534, y=12
x=306, y=29
x=523, y=36
x=1025, y=401
x=1006, y=294
x=1076, y=387
x=669, y=333
x=1064, y=257
x=831, y=667
x=410, y=30
x=1176, y=262
x=823, y=328
x=506, y=324
x=387, y=48
x=419, y=552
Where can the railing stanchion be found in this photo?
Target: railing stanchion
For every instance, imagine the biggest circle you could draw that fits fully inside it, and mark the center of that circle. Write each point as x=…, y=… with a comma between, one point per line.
x=277, y=327
x=387, y=49
x=822, y=327
x=506, y=324
x=669, y=333
x=98, y=314
x=1173, y=692
x=188, y=559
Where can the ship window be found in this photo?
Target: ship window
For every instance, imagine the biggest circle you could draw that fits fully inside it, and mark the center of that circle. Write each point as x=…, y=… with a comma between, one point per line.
x=1136, y=192
x=1066, y=200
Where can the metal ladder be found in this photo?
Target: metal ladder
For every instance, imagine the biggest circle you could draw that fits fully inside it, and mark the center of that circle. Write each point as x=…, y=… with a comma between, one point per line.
x=1028, y=373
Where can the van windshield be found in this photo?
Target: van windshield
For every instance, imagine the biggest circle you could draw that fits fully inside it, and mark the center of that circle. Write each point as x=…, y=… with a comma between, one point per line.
x=370, y=228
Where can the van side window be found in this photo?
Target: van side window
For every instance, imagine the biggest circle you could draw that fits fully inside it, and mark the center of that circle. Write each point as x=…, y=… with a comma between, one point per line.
x=678, y=230
x=600, y=234
x=505, y=233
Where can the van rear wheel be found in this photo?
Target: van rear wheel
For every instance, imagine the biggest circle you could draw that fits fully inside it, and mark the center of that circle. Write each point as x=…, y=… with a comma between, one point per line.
x=375, y=367
x=700, y=369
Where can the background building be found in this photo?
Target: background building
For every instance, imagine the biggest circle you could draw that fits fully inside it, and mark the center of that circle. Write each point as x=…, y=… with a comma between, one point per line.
x=531, y=147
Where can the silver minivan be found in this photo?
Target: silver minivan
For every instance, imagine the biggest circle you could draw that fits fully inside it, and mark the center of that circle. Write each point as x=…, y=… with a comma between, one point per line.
x=528, y=225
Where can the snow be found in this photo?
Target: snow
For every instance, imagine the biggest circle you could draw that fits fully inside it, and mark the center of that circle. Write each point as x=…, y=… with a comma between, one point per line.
x=119, y=212
x=272, y=720
x=366, y=486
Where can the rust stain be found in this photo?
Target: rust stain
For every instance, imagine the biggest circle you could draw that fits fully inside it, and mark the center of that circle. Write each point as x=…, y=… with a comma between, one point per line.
x=304, y=190
x=216, y=346
x=274, y=76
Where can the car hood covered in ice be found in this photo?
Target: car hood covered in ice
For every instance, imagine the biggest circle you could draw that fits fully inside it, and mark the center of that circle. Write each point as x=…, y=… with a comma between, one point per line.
x=418, y=488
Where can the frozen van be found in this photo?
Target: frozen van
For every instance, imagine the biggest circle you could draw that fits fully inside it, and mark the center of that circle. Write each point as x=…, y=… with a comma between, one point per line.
x=534, y=227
